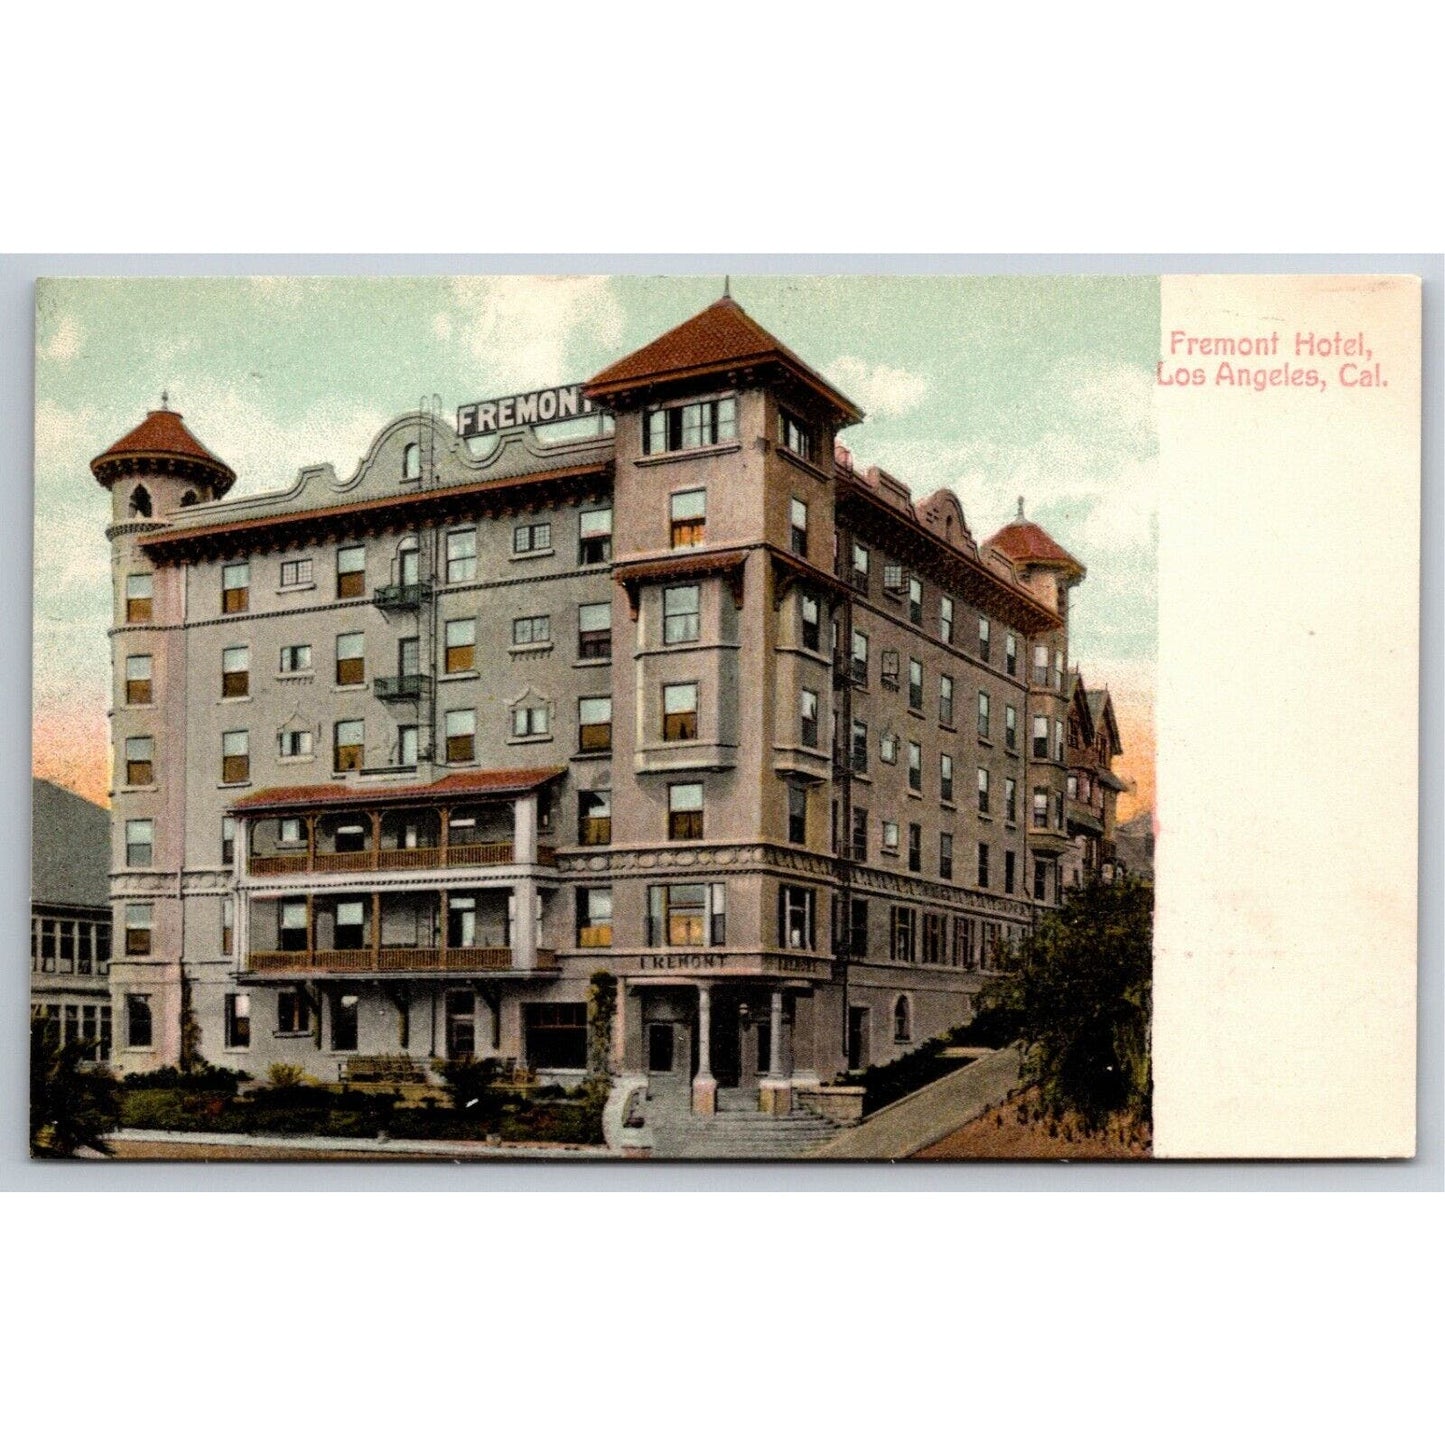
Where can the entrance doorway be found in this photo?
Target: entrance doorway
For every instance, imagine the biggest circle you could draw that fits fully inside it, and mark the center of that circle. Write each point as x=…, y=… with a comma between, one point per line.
x=660, y=1048
x=858, y=1051
x=727, y=1043
x=461, y=1024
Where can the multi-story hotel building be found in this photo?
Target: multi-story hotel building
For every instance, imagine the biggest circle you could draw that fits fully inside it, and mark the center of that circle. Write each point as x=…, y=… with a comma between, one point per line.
x=403, y=758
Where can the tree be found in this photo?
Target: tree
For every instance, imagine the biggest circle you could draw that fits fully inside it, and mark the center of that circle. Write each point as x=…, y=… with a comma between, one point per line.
x=72, y=1106
x=1078, y=993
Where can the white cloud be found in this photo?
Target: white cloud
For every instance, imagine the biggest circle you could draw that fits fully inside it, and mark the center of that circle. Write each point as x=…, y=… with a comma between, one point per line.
x=63, y=340
x=882, y=391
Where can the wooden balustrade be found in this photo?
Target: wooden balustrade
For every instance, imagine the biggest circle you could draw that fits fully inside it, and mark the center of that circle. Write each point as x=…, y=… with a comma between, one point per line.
x=387, y=860
x=395, y=960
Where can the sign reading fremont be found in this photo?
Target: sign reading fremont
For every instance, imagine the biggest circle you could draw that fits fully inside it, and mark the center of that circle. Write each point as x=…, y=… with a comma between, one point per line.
x=531, y=408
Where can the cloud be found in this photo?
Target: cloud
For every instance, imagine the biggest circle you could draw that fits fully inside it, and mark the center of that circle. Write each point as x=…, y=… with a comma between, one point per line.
x=882, y=391
x=62, y=342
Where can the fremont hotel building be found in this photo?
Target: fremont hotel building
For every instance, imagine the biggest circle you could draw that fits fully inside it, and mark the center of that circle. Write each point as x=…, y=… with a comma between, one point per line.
x=403, y=758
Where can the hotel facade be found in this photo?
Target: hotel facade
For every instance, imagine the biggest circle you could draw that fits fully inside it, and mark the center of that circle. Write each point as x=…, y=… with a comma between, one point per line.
x=403, y=759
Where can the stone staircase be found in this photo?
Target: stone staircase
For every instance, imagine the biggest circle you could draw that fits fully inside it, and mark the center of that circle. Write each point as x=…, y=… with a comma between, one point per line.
x=737, y=1131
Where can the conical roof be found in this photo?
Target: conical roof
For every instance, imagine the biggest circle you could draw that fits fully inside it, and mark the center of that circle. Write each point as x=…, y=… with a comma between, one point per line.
x=162, y=437
x=1027, y=542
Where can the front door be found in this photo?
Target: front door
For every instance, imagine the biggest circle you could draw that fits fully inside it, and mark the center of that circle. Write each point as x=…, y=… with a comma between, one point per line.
x=858, y=1038
x=461, y=1024
x=727, y=1053
x=659, y=1048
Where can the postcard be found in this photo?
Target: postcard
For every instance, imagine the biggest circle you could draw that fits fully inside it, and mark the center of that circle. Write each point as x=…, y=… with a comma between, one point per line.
x=774, y=717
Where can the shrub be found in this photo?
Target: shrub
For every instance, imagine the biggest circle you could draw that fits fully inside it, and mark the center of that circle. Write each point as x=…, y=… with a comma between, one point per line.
x=205, y=1080
x=286, y=1076
x=72, y=1106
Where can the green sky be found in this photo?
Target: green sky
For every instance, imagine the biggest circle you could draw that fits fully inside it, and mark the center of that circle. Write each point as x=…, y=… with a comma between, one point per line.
x=993, y=386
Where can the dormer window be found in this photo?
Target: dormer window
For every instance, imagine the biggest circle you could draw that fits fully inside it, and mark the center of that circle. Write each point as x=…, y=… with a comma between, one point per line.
x=685, y=428
x=411, y=462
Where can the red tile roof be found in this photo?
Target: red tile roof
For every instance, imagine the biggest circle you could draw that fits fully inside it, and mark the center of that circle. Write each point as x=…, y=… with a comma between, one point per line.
x=722, y=336
x=1023, y=541
x=161, y=434
x=499, y=783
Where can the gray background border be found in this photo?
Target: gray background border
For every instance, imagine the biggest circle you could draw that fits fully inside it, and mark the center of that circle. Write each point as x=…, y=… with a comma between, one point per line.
x=19, y=1173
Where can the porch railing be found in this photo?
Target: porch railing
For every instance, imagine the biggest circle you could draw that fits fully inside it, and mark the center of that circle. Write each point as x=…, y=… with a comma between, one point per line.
x=385, y=860
x=394, y=960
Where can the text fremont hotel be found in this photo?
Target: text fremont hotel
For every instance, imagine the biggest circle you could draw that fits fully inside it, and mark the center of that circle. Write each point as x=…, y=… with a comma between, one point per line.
x=402, y=759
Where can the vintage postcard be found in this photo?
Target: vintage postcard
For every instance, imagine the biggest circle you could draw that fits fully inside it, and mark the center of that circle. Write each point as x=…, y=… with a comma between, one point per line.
x=586, y=717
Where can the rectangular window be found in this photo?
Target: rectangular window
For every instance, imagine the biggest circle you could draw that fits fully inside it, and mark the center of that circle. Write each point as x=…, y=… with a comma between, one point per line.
x=902, y=934
x=810, y=634
x=681, y=609
x=139, y=762
x=983, y=714
x=139, y=919
x=697, y=424
x=932, y=953
x=594, y=918
x=684, y=811
x=984, y=631
x=345, y=1020
x=1041, y=879
x=679, y=711
x=228, y=923
x=1058, y=674
x=140, y=836
x=236, y=672
x=532, y=720
x=531, y=631
x=350, y=746
x=461, y=731
x=1008, y=872
x=983, y=791
x=594, y=819
x=594, y=630
x=915, y=767
x=461, y=645
x=138, y=679
x=945, y=619
x=236, y=587
x=1011, y=728
x=858, y=760
x=945, y=855
x=797, y=813
x=351, y=571
x=798, y=527
x=462, y=554
x=860, y=567
x=1010, y=800
x=138, y=1027
x=945, y=701
x=945, y=777
x=915, y=847
x=915, y=684
x=888, y=747
x=858, y=927
x=291, y=834
x=687, y=915
x=1041, y=808
x=983, y=865
x=808, y=718
x=860, y=658
x=296, y=658
x=1058, y=741
x=293, y=925
x=1041, y=665
x=529, y=537
x=350, y=659
x=893, y=575
x=138, y=598
x=888, y=668
x=1011, y=655
x=238, y=1021
x=408, y=737
x=797, y=922
x=794, y=437
x=858, y=843
x=228, y=842
x=688, y=514
x=594, y=725
x=296, y=573
x=350, y=924
x=594, y=537
x=293, y=1012
x=236, y=756
x=1041, y=738
x=915, y=601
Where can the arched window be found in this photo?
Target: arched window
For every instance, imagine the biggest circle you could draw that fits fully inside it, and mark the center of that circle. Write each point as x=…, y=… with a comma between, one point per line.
x=411, y=462
x=189, y=500
x=140, y=503
x=408, y=562
x=902, y=1020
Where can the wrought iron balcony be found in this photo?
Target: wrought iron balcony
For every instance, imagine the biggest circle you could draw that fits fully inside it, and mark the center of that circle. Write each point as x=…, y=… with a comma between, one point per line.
x=401, y=596
x=397, y=689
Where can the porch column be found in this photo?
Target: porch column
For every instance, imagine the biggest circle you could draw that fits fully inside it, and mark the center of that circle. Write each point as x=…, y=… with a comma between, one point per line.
x=524, y=923
x=524, y=830
x=442, y=931
x=775, y=1094
x=376, y=932
x=242, y=919
x=241, y=849
x=704, y=1086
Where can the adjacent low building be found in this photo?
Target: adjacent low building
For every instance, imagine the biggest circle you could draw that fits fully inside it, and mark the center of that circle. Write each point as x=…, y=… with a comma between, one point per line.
x=403, y=758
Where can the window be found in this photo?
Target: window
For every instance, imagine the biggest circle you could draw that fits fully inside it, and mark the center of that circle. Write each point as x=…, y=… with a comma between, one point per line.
x=1041, y=738
x=296, y=573
x=945, y=700
x=684, y=811
x=290, y=834
x=594, y=819
x=350, y=923
x=138, y=599
x=1073, y=786
x=1041, y=808
x=915, y=685
x=138, y=1027
x=983, y=865
x=857, y=927
x=1041, y=665
x=798, y=527
x=408, y=737
x=890, y=837
x=1010, y=800
x=411, y=462
x=531, y=631
x=532, y=720
x=858, y=843
x=681, y=608
x=462, y=553
x=236, y=672
x=893, y=577
x=902, y=1021
x=687, y=915
x=688, y=513
x=350, y=749
x=461, y=732
x=888, y=668
x=529, y=537
x=555, y=1035
x=1011, y=728
x=1058, y=675
x=860, y=657
x=679, y=711
x=859, y=747
x=1008, y=872
x=983, y=791
x=793, y=436
x=945, y=619
x=902, y=934
x=594, y=918
x=1059, y=811
x=408, y=562
x=915, y=847
x=236, y=587
x=594, y=537
x=915, y=601
x=1011, y=655
x=594, y=719
x=293, y=1012
x=945, y=855
x=860, y=567
x=139, y=842
x=594, y=630
x=808, y=718
x=1058, y=741
x=698, y=424
x=236, y=756
x=797, y=813
x=351, y=571
x=293, y=925
x=345, y=1009
x=139, y=762
x=984, y=630
x=1041, y=879
x=810, y=630
x=945, y=777
x=350, y=659
x=238, y=1020
x=228, y=842
x=139, y=919
x=138, y=680
x=797, y=922
x=888, y=747
x=461, y=645
x=296, y=658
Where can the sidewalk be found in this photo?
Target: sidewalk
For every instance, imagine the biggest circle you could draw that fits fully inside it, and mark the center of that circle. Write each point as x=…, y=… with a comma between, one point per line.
x=280, y=1146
